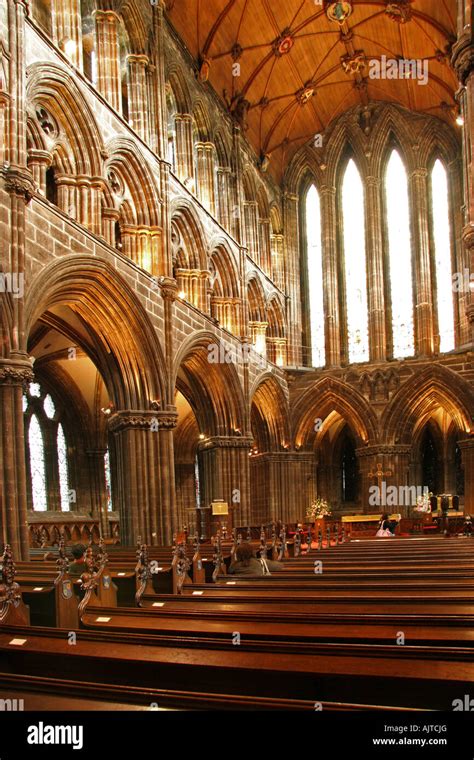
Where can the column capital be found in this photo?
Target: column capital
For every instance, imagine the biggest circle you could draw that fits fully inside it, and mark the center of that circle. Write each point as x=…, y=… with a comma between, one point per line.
x=462, y=56
x=467, y=443
x=15, y=372
x=226, y=442
x=384, y=450
x=142, y=419
x=169, y=288
x=18, y=181
x=139, y=58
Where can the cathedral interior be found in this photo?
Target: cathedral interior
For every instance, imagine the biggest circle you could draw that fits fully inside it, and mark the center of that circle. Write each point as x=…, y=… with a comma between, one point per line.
x=235, y=261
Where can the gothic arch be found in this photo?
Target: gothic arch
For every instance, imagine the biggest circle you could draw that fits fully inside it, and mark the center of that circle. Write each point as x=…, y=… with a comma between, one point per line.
x=52, y=87
x=420, y=396
x=269, y=414
x=226, y=271
x=177, y=81
x=122, y=344
x=256, y=299
x=211, y=387
x=188, y=223
x=130, y=165
x=326, y=397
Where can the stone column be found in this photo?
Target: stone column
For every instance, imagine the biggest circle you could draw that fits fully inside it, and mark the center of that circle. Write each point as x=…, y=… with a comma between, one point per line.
x=250, y=230
x=424, y=333
x=258, y=332
x=67, y=194
x=276, y=351
x=145, y=496
x=227, y=312
x=330, y=276
x=109, y=77
x=138, y=109
x=159, y=130
x=67, y=29
x=205, y=175
x=110, y=217
x=39, y=162
x=467, y=454
x=225, y=474
x=264, y=245
x=277, y=243
x=375, y=273
x=184, y=147
x=223, y=200
x=14, y=373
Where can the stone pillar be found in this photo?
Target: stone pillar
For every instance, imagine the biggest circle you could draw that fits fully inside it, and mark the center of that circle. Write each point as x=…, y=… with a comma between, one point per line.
x=227, y=312
x=109, y=78
x=258, y=331
x=276, y=351
x=394, y=459
x=39, y=162
x=184, y=147
x=467, y=455
x=277, y=243
x=424, y=333
x=13, y=499
x=223, y=199
x=67, y=29
x=375, y=270
x=67, y=194
x=225, y=474
x=145, y=495
x=110, y=217
x=264, y=245
x=250, y=230
x=462, y=60
x=205, y=175
x=138, y=107
x=330, y=276
x=159, y=130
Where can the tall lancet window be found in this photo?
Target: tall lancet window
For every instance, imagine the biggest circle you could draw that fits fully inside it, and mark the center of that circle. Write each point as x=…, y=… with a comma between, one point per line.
x=442, y=248
x=63, y=470
x=355, y=264
x=399, y=251
x=315, y=276
x=37, y=466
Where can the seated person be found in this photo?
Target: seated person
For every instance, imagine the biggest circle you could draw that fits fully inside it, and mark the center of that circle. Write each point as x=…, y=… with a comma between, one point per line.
x=386, y=528
x=78, y=567
x=467, y=529
x=246, y=562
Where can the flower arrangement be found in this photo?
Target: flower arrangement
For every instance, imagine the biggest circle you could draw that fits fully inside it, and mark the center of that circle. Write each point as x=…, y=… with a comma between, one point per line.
x=318, y=508
x=423, y=502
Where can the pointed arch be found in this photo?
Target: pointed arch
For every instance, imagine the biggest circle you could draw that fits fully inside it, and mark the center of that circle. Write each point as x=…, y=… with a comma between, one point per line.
x=122, y=342
x=269, y=414
x=423, y=394
x=193, y=237
x=128, y=162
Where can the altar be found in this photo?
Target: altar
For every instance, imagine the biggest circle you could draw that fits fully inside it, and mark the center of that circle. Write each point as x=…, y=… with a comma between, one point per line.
x=365, y=526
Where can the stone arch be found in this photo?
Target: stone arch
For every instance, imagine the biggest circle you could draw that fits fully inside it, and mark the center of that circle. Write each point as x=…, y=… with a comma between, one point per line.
x=54, y=89
x=256, y=299
x=122, y=343
x=191, y=231
x=325, y=398
x=420, y=396
x=211, y=387
x=130, y=165
x=202, y=122
x=269, y=414
x=392, y=128
x=275, y=318
x=226, y=273
x=177, y=81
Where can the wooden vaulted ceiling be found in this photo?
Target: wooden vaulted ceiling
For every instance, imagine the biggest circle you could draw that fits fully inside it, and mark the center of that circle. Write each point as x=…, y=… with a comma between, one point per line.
x=286, y=48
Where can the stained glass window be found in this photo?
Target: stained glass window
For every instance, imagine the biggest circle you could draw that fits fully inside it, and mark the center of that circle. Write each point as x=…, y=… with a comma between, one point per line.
x=35, y=390
x=63, y=470
x=49, y=407
x=315, y=276
x=108, y=481
x=37, y=466
x=355, y=264
x=399, y=250
x=442, y=241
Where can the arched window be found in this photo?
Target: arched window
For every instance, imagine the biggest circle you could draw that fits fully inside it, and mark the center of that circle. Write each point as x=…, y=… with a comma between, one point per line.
x=37, y=466
x=355, y=264
x=442, y=249
x=63, y=469
x=314, y=251
x=400, y=262
x=108, y=481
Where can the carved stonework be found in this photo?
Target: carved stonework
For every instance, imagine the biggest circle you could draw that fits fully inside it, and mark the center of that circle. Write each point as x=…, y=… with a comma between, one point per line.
x=354, y=64
x=462, y=58
x=142, y=420
x=388, y=450
x=19, y=181
x=226, y=442
x=169, y=288
x=379, y=385
x=19, y=374
x=399, y=11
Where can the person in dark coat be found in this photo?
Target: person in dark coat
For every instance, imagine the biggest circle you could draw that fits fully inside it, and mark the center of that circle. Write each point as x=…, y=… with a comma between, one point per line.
x=246, y=563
